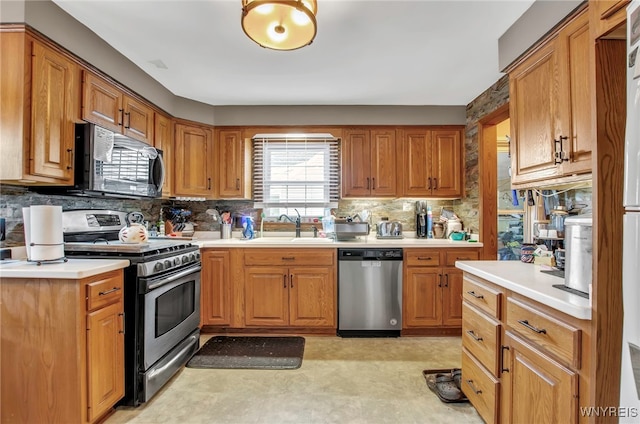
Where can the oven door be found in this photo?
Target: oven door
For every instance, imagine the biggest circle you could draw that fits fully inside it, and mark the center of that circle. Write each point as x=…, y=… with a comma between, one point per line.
x=171, y=311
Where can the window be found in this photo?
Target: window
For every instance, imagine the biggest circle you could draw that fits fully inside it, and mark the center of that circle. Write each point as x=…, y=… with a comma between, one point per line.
x=296, y=171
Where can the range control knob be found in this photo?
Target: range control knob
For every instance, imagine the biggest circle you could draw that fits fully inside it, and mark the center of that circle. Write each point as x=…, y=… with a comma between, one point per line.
x=185, y=259
x=167, y=264
x=198, y=256
x=192, y=257
x=158, y=266
x=176, y=261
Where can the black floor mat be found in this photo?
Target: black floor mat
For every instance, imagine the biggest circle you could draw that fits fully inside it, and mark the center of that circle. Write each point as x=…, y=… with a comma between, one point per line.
x=275, y=353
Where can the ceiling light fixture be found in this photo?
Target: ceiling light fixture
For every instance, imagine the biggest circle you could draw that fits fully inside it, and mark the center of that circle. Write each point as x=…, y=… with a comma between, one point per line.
x=280, y=24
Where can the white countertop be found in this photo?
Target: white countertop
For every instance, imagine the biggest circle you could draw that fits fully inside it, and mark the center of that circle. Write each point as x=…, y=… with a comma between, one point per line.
x=310, y=242
x=73, y=268
x=527, y=280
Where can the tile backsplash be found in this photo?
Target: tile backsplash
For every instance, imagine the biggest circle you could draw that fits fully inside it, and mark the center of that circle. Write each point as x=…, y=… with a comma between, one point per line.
x=14, y=198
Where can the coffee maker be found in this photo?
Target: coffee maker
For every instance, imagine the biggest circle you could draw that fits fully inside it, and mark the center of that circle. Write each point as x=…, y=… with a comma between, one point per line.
x=421, y=219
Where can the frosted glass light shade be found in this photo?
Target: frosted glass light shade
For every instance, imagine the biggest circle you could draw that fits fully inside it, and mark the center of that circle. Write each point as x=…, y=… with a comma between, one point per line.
x=280, y=24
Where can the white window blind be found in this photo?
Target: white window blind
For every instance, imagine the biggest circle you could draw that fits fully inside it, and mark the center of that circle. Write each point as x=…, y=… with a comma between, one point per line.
x=299, y=171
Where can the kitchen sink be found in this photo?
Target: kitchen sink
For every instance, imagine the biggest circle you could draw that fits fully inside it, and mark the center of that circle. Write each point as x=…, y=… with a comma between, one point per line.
x=287, y=240
x=311, y=240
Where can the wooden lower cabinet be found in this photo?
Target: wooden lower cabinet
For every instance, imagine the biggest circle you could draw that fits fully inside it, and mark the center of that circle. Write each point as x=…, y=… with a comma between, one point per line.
x=539, y=389
x=62, y=348
x=432, y=294
x=215, y=290
x=527, y=362
x=290, y=296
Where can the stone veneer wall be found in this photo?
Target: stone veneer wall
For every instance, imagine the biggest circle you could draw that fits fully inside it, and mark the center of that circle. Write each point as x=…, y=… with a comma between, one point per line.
x=13, y=198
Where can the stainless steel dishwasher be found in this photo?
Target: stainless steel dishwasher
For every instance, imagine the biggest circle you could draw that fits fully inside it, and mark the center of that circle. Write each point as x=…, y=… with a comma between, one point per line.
x=369, y=292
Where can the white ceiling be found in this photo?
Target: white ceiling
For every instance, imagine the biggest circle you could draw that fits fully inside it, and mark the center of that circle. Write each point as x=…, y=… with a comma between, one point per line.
x=386, y=52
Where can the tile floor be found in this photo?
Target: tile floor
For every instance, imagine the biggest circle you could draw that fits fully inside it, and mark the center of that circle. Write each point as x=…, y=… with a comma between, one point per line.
x=350, y=380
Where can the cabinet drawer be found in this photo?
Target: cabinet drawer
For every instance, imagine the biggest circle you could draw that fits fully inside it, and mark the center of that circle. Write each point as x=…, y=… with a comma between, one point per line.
x=451, y=256
x=480, y=387
x=551, y=334
x=105, y=289
x=481, y=337
x=426, y=257
x=482, y=296
x=316, y=257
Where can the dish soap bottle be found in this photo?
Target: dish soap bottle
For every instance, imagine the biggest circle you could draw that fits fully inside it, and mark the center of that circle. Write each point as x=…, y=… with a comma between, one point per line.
x=161, y=224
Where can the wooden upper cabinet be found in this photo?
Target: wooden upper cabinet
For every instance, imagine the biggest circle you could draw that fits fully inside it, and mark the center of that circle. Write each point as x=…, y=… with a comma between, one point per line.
x=432, y=162
x=106, y=105
x=575, y=59
x=234, y=169
x=53, y=112
x=194, y=157
x=39, y=107
x=606, y=16
x=369, y=163
x=163, y=140
x=446, y=163
x=532, y=100
x=550, y=108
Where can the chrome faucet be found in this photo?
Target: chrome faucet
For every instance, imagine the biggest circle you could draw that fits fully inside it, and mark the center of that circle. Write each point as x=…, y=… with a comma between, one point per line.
x=297, y=221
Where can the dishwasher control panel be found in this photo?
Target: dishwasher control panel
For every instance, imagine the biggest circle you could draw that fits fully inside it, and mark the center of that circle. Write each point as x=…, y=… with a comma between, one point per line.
x=370, y=254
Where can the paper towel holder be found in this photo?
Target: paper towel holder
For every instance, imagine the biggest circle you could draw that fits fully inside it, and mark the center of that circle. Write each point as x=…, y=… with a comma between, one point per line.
x=41, y=261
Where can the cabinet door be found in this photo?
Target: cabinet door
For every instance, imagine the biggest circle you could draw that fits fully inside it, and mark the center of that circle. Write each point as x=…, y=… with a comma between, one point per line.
x=312, y=298
x=105, y=359
x=216, y=288
x=231, y=160
x=540, y=390
x=607, y=15
x=53, y=113
x=533, y=105
x=356, y=163
x=138, y=120
x=452, y=297
x=446, y=163
x=163, y=140
x=266, y=294
x=416, y=159
x=575, y=117
x=193, y=161
x=101, y=102
x=383, y=163
x=422, y=297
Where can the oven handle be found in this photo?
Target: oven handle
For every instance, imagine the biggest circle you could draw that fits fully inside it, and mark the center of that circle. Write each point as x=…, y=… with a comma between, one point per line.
x=174, y=277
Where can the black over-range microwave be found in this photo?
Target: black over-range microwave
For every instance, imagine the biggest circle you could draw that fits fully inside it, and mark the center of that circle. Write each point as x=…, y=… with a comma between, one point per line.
x=108, y=164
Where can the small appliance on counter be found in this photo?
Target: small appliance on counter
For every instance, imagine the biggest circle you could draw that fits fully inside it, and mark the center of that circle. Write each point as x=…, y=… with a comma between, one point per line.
x=578, y=252
x=389, y=230
x=421, y=219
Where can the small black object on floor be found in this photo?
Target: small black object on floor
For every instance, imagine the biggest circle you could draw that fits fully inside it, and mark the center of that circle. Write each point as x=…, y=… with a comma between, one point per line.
x=446, y=384
x=226, y=352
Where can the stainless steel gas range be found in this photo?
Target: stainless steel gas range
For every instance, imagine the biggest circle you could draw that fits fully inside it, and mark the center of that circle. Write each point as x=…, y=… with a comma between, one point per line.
x=161, y=297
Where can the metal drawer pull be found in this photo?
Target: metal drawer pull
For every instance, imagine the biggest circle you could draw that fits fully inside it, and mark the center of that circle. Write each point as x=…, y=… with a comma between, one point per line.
x=288, y=258
x=472, y=334
x=477, y=296
x=115, y=289
x=284, y=280
x=121, y=315
x=532, y=328
x=422, y=258
x=470, y=384
x=503, y=369
x=291, y=280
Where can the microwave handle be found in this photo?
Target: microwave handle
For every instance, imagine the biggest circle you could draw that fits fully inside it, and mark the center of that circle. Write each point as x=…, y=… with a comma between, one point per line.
x=160, y=162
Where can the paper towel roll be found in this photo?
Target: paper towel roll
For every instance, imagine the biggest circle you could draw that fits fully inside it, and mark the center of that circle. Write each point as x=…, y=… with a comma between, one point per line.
x=43, y=233
x=26, y=219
